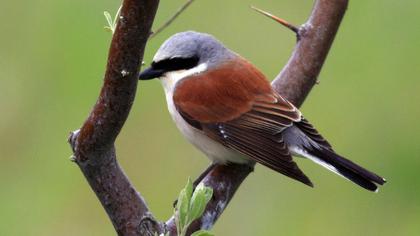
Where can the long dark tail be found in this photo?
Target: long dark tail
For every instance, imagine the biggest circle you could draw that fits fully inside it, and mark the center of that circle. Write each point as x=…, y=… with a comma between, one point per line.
x=303, y=139
x=344, y=167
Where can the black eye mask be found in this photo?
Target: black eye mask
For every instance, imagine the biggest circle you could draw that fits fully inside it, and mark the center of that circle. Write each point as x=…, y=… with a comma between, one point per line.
x=159, y=68
x=176, y=63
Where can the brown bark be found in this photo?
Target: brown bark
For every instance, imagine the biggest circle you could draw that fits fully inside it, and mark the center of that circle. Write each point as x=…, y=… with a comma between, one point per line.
x=93, y=144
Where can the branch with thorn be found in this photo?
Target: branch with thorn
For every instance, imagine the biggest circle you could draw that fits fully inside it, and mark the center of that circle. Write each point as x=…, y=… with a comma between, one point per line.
x=93, y=145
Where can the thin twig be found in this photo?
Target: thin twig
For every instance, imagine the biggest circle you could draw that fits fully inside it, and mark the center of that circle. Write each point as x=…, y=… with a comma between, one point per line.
x=278, y=19
x=172, y=18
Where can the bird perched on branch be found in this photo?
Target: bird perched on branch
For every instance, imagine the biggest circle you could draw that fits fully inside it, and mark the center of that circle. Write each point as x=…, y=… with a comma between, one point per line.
x=227, y=108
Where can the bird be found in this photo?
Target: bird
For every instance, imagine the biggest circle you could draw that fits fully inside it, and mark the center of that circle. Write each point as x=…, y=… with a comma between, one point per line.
x=226, y=108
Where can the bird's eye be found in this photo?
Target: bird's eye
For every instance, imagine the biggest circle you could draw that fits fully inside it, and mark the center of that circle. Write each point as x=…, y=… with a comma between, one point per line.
x=176, y=63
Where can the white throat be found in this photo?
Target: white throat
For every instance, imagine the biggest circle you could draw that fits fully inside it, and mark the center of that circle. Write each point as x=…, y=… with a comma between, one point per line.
x=170, y=79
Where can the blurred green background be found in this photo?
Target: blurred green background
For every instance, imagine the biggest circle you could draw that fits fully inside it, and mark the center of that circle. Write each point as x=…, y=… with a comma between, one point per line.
x=52, y=60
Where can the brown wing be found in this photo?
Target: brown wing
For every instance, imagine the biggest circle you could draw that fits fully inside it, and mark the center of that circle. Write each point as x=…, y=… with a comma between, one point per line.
x=257, y=134
x=240, y=110
x=222, y=94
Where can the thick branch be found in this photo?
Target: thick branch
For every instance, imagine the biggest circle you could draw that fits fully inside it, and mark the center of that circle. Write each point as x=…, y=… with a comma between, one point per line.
x=294, y=82
x=93, y=145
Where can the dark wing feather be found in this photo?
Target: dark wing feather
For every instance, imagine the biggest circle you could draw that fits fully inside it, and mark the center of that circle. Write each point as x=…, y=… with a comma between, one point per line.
x=257, y=134
x=312, y=133
x=258, y=145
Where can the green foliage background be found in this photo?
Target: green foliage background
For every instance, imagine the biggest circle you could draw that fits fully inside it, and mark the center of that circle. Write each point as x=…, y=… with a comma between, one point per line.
x=52, y=59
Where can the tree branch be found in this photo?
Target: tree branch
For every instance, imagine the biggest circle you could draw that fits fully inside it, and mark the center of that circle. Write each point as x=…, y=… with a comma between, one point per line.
x=300, y=74
x=294, y=83
x=93, y=144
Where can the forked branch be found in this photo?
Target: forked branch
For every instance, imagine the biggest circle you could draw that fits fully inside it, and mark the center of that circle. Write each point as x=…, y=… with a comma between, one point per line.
x=93, y=145
x=294, y=82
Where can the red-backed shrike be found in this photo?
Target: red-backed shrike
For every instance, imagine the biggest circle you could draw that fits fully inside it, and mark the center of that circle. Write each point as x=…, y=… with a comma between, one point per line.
x=227, y=108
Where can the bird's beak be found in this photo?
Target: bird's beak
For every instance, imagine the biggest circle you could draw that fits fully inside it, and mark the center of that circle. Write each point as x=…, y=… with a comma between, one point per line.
x=150, y=73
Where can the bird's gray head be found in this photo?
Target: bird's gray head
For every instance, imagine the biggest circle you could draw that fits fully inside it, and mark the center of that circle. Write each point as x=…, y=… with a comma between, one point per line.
x=187, y=50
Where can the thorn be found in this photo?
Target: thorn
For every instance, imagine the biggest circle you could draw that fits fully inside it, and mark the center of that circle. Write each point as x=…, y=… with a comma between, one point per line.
x=279, y=20
x=317, y=82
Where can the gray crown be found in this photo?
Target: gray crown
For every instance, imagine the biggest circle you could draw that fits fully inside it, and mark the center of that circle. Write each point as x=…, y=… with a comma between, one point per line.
x=193, y=44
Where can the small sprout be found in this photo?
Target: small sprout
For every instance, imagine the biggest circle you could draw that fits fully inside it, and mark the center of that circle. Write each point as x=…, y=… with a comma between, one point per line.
x=112, y=23
x=191, y=206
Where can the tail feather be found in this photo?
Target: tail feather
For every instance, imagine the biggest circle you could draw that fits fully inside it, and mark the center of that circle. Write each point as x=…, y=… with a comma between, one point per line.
x=345, y=168
x=303, y=139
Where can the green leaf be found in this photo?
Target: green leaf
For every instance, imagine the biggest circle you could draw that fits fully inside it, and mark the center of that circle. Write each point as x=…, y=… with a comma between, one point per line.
x=182, y=208
x=189, y=188
x=183, y=205
x=199, y=200
x=208, y=193
x=117, y=15
x=202, y=233
x=197, y=206
x=108, y=19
